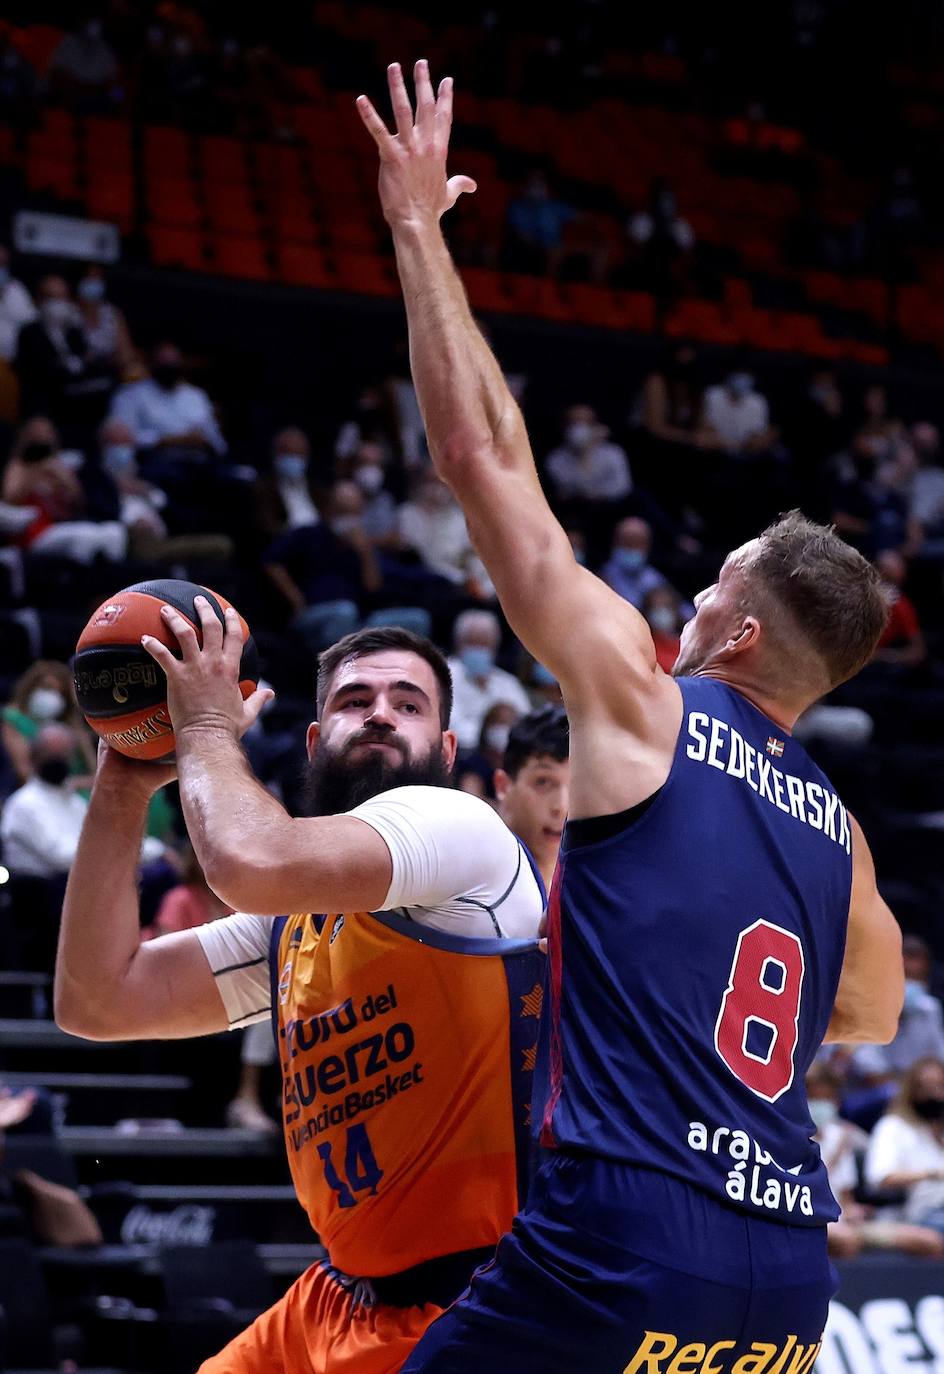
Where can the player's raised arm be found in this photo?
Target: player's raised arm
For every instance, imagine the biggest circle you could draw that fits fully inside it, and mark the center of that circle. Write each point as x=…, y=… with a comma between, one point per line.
x=567, y=617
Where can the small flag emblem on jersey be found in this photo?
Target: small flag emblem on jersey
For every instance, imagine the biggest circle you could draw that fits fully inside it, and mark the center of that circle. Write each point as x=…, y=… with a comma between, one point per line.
x=775, y=747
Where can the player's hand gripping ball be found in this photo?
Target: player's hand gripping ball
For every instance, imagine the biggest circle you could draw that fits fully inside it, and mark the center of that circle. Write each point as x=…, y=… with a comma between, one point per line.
x=120, y=689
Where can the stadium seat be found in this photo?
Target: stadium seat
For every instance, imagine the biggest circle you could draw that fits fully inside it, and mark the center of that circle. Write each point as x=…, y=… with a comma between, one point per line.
x=230, y=208
x=166, y=151
x=366, y=273
x=173, y=246
x=485, y=289
x=222, y=159
x=239, y=256
x=110, y=196
x=303, y=266
x=52, y=174
x=172, y=200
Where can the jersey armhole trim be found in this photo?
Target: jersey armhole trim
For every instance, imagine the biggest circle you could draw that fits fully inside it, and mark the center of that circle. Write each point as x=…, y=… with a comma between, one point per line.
x=451, y=944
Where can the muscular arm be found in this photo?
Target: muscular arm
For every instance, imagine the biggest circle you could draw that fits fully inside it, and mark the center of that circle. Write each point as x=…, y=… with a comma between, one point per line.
x=589, y=638
x=871, y=985
x=110, y=986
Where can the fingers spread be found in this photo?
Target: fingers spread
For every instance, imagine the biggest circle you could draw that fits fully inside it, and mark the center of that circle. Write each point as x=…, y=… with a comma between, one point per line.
x=184, y=631
x=400, y=100
x=159, y=652
x=425, y=100
x=209, y=623
x=444, y=106
x=373, y=123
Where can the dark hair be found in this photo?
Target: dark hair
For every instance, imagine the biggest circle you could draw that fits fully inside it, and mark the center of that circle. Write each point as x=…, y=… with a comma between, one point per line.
x=834, y=595
x=544, y=732
x=374, y=641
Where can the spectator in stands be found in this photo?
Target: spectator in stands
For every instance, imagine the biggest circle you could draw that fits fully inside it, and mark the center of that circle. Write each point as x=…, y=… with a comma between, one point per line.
x=926, y=494
x=286, y=497
x=662, y=608
x=475, y=771
x=368, y=469
x=432, y=524
x=476, y=680
x=191, y=903
x=106, y=331
x=535, y=225
x=406, y=420
x=327, y=573
x=842, y=1145
x=56, y=371
x=371, y=423
x=906, y=1152
x=878, y=422
x=736, y=416
x=16, y=307
x=663, y=239
x=870, y=509
x=83, y=71
x=533, y=784
x=672, y=398
x=43, y=696
x=586, y=467
x=819, y=428
x=628, y=570
x=37, y=476
x=123, y=494
x=41, y=820
x=169, y=416
x=920, y=1029
x=902, y=647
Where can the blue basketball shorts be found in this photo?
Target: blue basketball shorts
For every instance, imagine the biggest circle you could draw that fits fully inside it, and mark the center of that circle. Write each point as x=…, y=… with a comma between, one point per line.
x=618, y=1270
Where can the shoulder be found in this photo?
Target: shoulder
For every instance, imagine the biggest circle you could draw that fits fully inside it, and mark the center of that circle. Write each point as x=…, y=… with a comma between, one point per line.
x=438, y=808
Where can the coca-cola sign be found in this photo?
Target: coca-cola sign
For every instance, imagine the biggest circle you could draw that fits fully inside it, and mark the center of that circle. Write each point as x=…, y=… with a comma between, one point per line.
x=183, y=1225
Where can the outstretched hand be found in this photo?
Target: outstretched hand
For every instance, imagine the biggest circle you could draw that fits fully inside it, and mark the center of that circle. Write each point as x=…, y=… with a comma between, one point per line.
x=203, y=685
x=414, y=188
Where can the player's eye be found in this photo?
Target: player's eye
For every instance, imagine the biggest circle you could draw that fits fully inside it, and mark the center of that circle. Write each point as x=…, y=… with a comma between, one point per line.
x=410, y=707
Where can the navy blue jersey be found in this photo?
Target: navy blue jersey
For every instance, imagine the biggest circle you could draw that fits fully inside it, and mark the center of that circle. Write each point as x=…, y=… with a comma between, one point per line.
x=694, y=960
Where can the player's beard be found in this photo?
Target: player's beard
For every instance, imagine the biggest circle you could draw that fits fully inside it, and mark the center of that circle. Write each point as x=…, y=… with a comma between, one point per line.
x=334, y=784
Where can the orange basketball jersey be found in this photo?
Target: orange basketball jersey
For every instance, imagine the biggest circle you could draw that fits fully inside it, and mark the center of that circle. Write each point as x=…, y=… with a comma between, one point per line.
x=406, y=1057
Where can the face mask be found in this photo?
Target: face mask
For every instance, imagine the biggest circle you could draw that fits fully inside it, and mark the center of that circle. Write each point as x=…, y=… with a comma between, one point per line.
x=542, y=677
x=166, y=375
x=477, y=661
x=370, y=479
x=57, y=313
x=36, y=451
x=580, y=434
x=630, y=559
x=53, y=771
x=580, y=558
x=740, y=384
x=345, y=524
x=914, y=994
x=496, y=737
x=929, y=1108
x=45, y=703
x=91, y=289
x=291, y=467
x=4, y=276
x=823, y=1112
x=117, y=458
x=662, y=619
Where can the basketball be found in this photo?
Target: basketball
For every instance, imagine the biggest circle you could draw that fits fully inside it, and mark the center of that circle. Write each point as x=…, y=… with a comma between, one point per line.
x=119, y=688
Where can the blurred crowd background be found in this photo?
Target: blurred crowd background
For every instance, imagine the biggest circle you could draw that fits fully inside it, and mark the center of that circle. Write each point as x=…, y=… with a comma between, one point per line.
x=710, y=256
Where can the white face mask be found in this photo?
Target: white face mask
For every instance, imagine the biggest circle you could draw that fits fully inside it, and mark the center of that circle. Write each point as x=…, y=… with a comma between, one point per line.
x=45, y=703
x=496, y=737
x=662, y=619
x=370, y=479
x=57, y=312
x=823, y=1112
x=580, y=434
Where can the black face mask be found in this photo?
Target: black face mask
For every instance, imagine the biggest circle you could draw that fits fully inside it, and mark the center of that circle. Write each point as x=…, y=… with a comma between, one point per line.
x=54, y=771
x=166, y=375
x=929, y=1108
x=36, y=451
x=334, y=785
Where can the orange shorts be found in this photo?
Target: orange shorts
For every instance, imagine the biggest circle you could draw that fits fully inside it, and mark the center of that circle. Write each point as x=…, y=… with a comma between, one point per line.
x=318, y=1328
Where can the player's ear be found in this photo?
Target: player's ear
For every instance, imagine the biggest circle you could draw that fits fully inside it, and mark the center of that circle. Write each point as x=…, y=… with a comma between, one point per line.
x=501, y=782
x=450, y=747
x=747, y=637
x=313, y=738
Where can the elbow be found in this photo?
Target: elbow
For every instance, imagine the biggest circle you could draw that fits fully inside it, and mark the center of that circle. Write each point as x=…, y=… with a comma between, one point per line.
x=239, y=880
x=77, y=1013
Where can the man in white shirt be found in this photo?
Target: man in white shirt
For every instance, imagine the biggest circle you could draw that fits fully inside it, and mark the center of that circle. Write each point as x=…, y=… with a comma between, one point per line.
x=423, y=904
x=477, y=684
x=42, y=820
x=16, y=307
x=586, y=467
x=736, y=417
x=165, y=411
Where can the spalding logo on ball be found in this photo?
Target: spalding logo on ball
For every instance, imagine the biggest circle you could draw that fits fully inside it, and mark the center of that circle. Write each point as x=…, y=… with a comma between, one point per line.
x=121, y=691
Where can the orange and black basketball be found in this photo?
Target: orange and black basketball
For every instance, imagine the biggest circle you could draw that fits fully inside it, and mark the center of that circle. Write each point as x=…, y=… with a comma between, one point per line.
x=121, y=691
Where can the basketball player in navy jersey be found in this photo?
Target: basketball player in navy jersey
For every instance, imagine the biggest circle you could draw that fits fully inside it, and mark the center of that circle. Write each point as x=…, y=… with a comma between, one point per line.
x=714, y=917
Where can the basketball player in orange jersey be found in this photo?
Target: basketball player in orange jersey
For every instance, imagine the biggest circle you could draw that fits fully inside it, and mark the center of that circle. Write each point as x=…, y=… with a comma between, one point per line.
x=405, y=1008
x=714, y=914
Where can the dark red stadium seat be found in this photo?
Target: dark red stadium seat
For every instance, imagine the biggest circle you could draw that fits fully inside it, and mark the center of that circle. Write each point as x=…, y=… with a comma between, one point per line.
x=230, y=208
x=293, y=223
x=110, y=196
x=52, y=174
x=302, y=266
x=166, y=151
x=485, y=289
x=366, y=273
x=237, y=255
x=177, y=247
x=355, y=234
x=172, y=200
x=222, y=160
